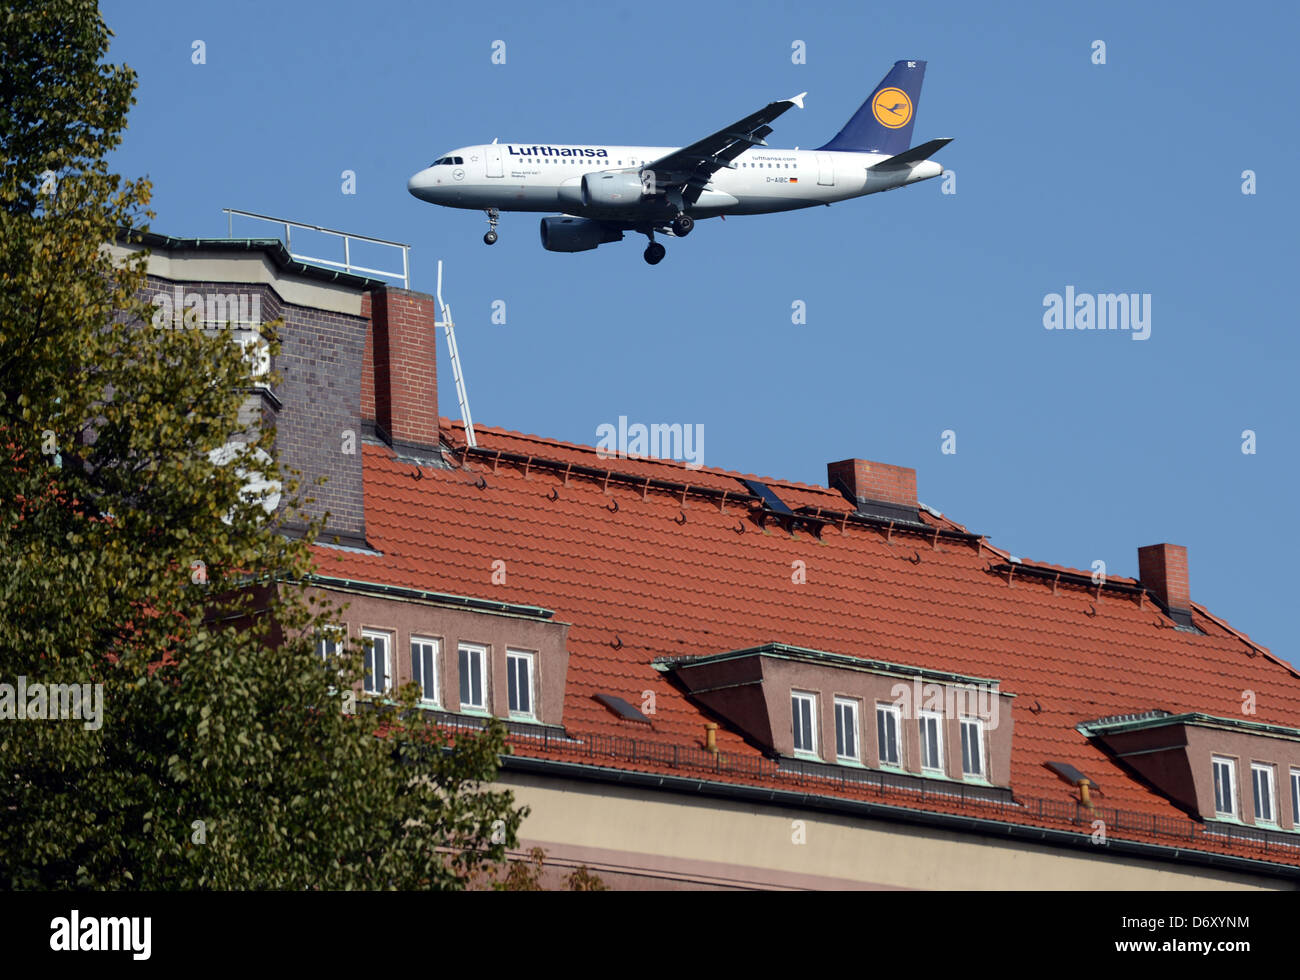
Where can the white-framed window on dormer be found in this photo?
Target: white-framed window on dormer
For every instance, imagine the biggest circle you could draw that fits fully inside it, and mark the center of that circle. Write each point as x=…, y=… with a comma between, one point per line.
x=931, y=741
x=329, y=642
x=972, y=747
x=846, y=730
x=803, y=721
x=1261, y=781
x=378, y=662
x=519, y=676
x=424, y=668
x=888, y=739
x=1225, y=786
x=1295, y=799
x=473, y=677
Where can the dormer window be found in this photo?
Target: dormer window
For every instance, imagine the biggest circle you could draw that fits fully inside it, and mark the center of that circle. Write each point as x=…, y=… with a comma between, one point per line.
x=473, y=677
x=519, y=674
x=833, y=697
x=803, y=710
x=846, y=730
x=424, y=668
x=1225, y=787
x=931, y=742
x=887, y=728
x=972, y=747
x=379, y=670
x=1261, y=778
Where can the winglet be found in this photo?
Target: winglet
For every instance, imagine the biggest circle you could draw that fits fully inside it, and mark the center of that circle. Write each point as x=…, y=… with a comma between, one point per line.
x=798, y=99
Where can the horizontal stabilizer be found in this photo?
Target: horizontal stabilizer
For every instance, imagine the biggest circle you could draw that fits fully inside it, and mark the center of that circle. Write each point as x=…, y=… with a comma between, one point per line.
x=915, y=155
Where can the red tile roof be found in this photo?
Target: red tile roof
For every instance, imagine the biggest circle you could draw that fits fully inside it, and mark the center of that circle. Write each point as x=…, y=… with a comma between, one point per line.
x=639, y=574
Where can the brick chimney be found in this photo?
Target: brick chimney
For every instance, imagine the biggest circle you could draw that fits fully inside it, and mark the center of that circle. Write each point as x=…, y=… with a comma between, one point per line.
x=399, y=373
x=876, y=489
x=1162, y=568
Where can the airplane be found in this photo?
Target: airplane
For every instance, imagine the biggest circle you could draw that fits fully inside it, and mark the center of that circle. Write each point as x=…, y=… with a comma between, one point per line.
x=604, y=191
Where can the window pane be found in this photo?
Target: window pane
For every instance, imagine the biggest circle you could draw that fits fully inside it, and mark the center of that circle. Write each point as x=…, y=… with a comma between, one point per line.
x=519, y=679
x=464, y=675
x=887, y=736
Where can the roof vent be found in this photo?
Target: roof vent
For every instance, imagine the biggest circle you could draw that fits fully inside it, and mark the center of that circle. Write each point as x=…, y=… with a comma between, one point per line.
x=876, y=489
x=621, y=708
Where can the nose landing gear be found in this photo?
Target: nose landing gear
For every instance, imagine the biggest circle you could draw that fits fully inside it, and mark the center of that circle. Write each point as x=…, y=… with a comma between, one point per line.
x=491, y=237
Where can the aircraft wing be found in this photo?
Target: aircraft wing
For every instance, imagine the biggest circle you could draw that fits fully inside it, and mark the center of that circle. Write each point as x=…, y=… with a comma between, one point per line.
x=691, y=167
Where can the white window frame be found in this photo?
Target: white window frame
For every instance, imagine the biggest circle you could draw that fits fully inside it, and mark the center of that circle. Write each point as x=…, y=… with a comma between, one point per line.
x=1295, y=799
x=850, y=708
x=922, y=718
x=811, y=699
x=978, y=725
x=372, y=652
x=1256, y=770
x=530, y=658
x=1231, y=766
x=472, y=650
x=256, y=351
x=895, y=715
x=417, y=668
x=337, y=636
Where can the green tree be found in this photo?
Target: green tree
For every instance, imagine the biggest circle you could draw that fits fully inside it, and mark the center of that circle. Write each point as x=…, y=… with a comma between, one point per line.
x=227, y=755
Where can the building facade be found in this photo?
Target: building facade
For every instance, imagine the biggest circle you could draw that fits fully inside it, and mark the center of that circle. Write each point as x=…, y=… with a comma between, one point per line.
x=717, y=681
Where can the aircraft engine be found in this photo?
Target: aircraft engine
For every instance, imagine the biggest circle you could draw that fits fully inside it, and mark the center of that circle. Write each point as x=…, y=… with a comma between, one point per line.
x=611, y=189
x=565, y=234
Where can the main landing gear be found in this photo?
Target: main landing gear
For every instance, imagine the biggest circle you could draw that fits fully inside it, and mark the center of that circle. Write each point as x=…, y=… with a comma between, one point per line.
x=493, y=216
x=680, y=226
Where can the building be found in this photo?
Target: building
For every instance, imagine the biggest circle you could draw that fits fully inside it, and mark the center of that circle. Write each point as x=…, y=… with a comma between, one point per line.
x=714, y=680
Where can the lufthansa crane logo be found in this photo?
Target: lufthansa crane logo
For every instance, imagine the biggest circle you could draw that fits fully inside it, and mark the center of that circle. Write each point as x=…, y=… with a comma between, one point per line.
x=892, y=108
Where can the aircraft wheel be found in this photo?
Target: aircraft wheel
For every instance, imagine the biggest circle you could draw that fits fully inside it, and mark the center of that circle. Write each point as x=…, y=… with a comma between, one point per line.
x=490, y=238
x=682, y=225
x=654, y=253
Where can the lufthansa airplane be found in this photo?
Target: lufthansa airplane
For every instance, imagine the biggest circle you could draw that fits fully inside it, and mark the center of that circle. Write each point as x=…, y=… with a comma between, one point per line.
x=604, y=191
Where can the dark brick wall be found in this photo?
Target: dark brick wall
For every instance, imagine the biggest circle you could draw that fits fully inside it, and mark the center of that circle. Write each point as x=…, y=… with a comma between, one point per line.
x=320, y=362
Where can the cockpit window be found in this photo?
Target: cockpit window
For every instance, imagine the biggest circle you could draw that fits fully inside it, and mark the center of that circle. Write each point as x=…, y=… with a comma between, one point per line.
x=459, y=162
x=448, y=161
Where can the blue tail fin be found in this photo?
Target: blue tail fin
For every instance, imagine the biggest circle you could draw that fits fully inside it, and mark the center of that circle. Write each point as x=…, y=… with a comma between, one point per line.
x=883, y=124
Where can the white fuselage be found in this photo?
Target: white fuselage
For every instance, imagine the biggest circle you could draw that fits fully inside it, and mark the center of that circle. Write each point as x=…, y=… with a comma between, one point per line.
x=548, y=177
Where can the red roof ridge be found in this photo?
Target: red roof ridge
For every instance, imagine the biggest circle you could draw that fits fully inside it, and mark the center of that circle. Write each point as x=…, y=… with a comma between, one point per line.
x=672, y=464
x=1259, y=647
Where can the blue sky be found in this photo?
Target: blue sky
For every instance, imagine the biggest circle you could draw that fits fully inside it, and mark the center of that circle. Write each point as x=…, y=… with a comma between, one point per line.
x=924, y=310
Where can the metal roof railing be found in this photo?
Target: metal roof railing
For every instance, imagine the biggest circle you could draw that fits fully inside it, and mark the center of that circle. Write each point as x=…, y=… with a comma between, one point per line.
x=1274, y=847
x=347, y=265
